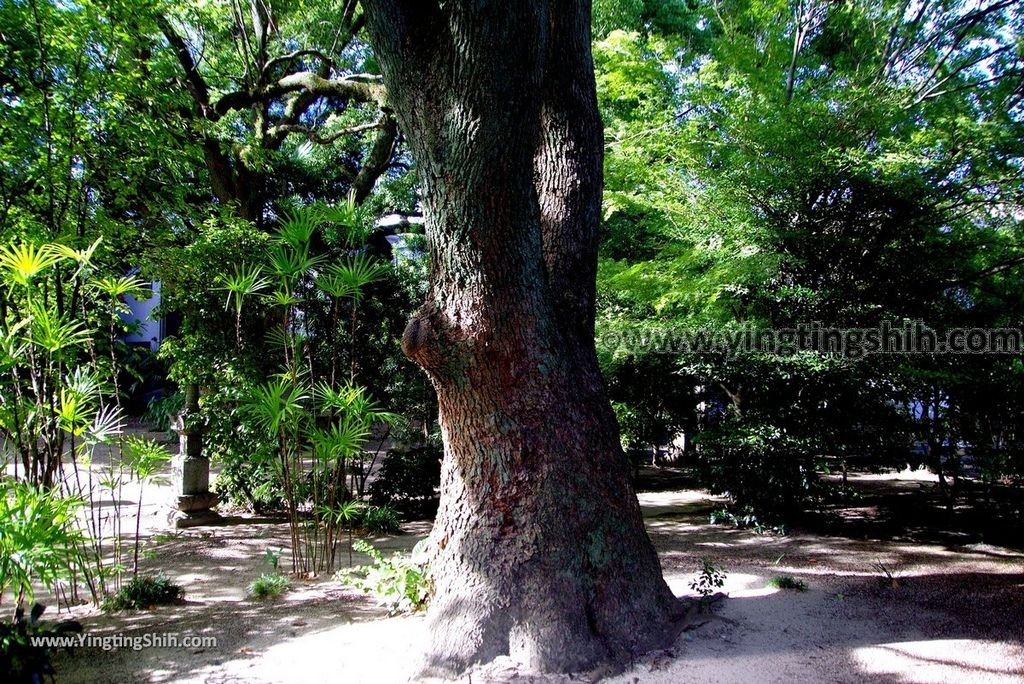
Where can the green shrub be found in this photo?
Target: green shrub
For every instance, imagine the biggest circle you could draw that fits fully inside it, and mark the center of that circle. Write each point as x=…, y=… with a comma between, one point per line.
x=379, y=520
x=269, y=585
x=249, y=474
x=401, y=583
x=22, y=661
x=160, y=413
x=764, y=470
x=744, y=519
x=709, y=578
x=141, y=593
x=409, y=479
x=787, y=582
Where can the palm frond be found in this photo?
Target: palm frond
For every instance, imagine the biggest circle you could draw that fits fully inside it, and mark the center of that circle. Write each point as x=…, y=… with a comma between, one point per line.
x=245, y=281
x=275, y=403
x=22, y=263
x=355, y=273
x=55, y=333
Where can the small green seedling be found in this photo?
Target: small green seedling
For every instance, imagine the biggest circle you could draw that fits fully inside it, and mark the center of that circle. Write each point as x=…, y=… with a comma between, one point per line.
x=710, y=578
x=889, y=578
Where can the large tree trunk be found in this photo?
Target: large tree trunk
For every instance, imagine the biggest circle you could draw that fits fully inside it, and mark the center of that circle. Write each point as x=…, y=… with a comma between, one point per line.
x=541, y=552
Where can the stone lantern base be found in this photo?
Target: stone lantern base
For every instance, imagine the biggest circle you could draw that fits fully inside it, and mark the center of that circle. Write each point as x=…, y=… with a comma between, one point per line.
x=194, y=510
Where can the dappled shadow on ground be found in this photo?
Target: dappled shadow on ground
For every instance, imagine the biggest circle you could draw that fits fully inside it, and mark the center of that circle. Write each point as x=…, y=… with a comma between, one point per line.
x=908, y=508
x=241, y=629
x=851, y=629
x=894, y=609
x=215, y=565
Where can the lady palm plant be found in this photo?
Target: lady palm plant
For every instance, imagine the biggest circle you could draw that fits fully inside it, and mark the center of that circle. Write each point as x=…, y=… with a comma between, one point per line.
x=352, y=403
x=332, y=448
x=54, y=409
x=319, y=425
x=313, y=458
x=145, y=458
x=39, y=342
x=114, y=290
x=348, y=280
x=39, y=540
x=344, y=515
x=244, y=282
x=277, y=408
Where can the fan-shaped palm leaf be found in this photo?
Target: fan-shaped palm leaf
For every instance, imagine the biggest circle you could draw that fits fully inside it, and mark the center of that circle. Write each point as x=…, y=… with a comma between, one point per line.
x=55, y=333
x=78, y=401
x=108, y=423
x=347, y=215
x=121, y=287
x=356, y=272
x=22, y=263
x=297, y=227
x=82, y=257
x=274, y=404
x=245, y=281
x=343, y=438
x=289, y=262
x=334, y=285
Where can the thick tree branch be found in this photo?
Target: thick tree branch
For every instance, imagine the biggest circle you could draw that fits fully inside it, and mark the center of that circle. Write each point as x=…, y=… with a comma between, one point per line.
x=378, y=160
x=292, y=56
x=193, y=79
x=316, y=137
x=358, y=87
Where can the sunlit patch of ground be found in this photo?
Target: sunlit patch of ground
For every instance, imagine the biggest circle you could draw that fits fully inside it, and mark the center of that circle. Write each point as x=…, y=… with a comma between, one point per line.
x=944, y=660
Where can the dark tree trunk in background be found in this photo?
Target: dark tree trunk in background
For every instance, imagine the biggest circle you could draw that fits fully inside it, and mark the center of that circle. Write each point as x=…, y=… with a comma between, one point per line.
x=541, y=551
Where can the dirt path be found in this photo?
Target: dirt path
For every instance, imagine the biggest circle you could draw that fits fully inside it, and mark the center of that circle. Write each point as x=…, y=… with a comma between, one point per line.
x=955, y=613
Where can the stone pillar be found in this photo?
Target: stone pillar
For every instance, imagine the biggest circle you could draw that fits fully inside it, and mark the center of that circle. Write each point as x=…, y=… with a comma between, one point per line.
x=192, y=468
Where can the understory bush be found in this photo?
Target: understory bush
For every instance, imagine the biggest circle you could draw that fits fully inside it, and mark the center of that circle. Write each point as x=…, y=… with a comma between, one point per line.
x=65, y=375
x=39, y=539
x=269, y=585
x=409, y=478
x=160, y=412
x=787, y=582
x=744, y=519
x=379, y=520
x=767, y=473
x=143, y=592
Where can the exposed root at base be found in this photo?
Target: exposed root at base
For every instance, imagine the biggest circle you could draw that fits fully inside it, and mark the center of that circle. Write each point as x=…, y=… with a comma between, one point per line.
x=503, y=669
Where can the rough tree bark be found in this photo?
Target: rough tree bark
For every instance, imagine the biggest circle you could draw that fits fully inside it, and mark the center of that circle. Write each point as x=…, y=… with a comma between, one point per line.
x=540, y=548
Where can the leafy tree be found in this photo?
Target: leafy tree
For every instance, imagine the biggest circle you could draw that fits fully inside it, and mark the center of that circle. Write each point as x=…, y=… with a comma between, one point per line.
x=281, y=100
x=774, y=163
x=85, y=117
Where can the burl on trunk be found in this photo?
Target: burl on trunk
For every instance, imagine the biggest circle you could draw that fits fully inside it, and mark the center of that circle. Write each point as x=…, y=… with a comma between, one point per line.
x=541, y=552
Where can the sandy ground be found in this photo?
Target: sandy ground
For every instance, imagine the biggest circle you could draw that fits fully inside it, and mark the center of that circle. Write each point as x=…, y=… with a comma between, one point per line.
x=955, y=612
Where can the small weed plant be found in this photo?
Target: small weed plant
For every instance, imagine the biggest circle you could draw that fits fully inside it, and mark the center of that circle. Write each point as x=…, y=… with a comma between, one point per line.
x=273, y=584
x=269, y=585
x=400, y=583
